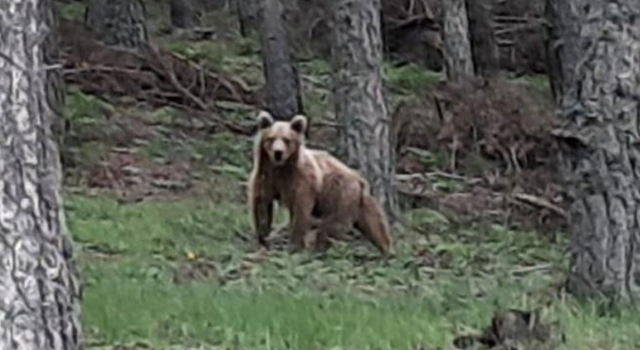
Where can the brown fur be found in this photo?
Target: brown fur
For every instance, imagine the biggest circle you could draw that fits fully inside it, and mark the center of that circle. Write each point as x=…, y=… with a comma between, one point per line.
x=317, y=189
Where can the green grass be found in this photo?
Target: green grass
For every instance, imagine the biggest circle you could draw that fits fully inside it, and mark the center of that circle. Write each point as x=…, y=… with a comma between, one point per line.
x=72, y=11
x=410, y=78
x=445, y=279
x=223, y=152
x=209, y=53
x=261, y=320
x=150, y=228
x=239, y=58
x=537, y=83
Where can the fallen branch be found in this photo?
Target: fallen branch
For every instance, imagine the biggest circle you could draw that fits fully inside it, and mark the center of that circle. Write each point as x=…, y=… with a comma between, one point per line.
x=149, y=74
x=524, y=270
x=540, y=202
x=174, y=80
x=326, y=124
x=437, y=174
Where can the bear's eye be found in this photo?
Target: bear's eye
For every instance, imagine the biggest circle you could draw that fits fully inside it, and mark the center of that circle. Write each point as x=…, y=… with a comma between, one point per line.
x=286, y=141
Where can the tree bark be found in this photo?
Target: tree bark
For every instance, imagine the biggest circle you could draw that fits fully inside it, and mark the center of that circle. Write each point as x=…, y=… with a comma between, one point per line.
x=600, y=142
x=360, y=106
x=118, y=23
x=484, y=46
x=39, y=290
x=248, y=16
x=184, y=14
x=456, y=46
x=280, y=70
x=561, y=44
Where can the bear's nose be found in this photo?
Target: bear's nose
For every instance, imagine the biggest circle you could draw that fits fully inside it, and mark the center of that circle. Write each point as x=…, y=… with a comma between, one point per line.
x=277, y=155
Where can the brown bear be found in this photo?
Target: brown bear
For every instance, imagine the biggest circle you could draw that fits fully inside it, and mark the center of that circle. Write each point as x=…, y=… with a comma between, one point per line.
x=316, y=188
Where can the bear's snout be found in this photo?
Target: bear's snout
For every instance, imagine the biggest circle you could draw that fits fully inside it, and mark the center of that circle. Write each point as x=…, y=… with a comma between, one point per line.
x=278, y=151
x=277, y=155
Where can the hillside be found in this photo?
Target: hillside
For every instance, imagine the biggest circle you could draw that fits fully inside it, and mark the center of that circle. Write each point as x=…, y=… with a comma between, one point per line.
x=155, y=199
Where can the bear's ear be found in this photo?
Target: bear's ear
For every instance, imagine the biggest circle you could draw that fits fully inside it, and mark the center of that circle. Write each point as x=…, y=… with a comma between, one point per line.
x=265, y=120
x=299, y=124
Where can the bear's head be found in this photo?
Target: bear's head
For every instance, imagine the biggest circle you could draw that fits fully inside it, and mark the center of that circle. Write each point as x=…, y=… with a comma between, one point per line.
x=281, y=140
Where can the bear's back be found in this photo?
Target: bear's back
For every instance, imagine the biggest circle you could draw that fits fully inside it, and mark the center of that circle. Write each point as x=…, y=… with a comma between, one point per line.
x=330, y=164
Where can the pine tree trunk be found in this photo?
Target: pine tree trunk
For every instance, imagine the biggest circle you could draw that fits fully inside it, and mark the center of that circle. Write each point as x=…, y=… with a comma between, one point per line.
x=118, y=22
x=184, y=14
x=456, y=45
x=484, y=46
x=39, y=290
x=281, y=74
x=360, y=106
x=248, y=15
x=561, y=45
x=600, y=143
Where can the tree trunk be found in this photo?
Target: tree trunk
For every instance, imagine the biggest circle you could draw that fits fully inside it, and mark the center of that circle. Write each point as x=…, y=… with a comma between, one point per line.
x=248, y=15
x=118, y=22
x=280, y=70
x=360, y=106
x=39, y=290
x=185, y=14
x=561, y=44
x=456, y=47
x=600, y=143
x=484, y=46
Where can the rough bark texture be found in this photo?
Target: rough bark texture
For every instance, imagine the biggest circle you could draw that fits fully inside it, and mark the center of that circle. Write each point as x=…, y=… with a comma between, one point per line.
x=185, y=14
x=561, y=43
x=118, y=22
x=360, y=106
x=600, y=141
x=248, y=15
x=39, y=290
x=484, y=46
x=281, y=74
x=456, y=46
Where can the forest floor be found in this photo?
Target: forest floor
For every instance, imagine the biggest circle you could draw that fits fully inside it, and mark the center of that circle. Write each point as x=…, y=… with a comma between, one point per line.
x=155, y=200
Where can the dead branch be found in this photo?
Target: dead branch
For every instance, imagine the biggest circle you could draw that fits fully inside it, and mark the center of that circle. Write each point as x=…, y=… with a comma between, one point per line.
x=151, y=74
x=169, y=70
x=437, y=174
x=541, y=203
x=326, y=124
x=524, y=270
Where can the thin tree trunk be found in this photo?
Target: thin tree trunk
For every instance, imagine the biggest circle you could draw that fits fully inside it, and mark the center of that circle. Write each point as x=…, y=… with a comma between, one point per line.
x=184, y=14
x=360, y=106
x=118, y=22
x=600, y=143
x=456, y=46
x=39, y=290
x=561, y=44
x=484, y=46
x=280, y=70
x=248, y=16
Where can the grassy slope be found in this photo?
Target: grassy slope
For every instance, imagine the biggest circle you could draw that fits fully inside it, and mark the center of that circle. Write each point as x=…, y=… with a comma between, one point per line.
x=181, y=271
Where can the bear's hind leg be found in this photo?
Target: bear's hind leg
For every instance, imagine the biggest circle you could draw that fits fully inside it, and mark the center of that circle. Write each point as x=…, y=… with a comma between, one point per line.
x=336, y=205
x=301, y=220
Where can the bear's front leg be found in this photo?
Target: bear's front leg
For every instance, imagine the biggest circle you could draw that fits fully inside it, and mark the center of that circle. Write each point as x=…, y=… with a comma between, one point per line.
x=262, y=218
